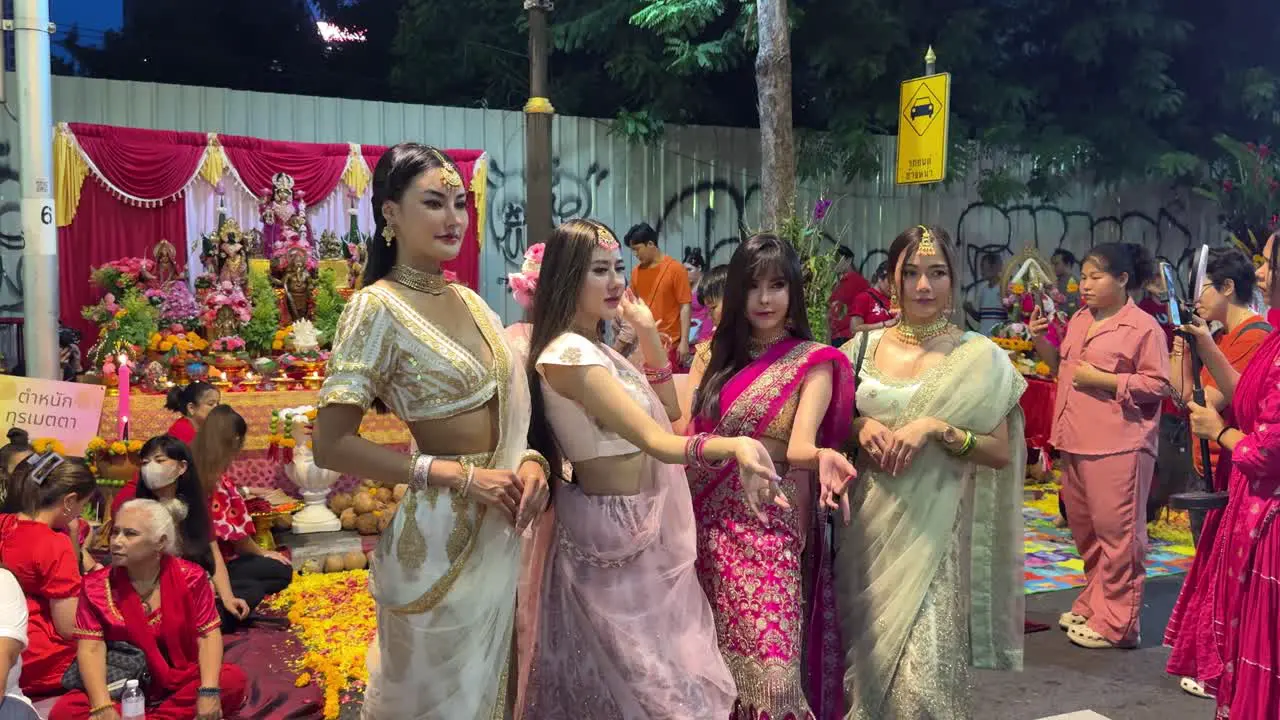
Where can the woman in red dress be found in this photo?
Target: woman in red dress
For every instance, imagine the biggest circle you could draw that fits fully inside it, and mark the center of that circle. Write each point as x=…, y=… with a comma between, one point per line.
x=192, y=403
x=1239, y=666
x=254, y=572
x=43, y=495
x=870, y=309
x=162, y=605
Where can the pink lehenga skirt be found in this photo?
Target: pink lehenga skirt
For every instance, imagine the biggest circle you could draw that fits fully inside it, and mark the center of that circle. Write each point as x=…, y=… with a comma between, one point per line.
x=624, y=631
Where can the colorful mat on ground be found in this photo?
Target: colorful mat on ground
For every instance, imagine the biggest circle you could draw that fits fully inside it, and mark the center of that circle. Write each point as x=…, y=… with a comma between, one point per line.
x=1052, y=562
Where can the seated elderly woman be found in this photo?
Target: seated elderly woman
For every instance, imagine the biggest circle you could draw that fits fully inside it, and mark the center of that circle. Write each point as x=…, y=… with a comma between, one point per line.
x=162, y=605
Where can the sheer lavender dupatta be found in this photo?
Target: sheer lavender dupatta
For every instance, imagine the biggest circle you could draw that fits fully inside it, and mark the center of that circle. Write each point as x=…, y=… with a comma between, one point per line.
x=749, y=402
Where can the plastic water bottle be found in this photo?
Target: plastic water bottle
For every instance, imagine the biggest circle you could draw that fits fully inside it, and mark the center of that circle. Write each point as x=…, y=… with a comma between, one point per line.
x=133, y=706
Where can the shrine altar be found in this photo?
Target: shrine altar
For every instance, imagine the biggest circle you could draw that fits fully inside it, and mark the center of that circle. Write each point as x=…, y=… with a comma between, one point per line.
x=148, y=417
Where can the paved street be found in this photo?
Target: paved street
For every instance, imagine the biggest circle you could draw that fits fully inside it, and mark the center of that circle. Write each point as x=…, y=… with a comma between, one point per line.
x=1061, y=679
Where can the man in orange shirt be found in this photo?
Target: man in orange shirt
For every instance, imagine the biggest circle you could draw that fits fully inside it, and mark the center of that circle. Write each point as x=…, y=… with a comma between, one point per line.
x=663, y=283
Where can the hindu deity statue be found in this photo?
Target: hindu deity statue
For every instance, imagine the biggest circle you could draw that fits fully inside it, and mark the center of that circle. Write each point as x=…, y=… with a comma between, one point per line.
x=357, y=256
x=298, y=286
x=166, y=269
x=281, y=207
x=224, y=323
x=233, y=261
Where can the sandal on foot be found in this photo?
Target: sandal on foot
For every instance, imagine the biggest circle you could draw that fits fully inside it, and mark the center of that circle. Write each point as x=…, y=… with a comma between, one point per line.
x=1068, y=620
x=1087, y=637
x=1191, y=687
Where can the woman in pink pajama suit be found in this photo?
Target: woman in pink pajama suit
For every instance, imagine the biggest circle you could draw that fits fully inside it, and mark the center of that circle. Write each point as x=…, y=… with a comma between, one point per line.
x=1113, y=371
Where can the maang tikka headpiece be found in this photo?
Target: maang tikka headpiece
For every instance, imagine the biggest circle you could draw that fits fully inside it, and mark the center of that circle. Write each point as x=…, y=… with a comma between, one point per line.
x=604, y=238
x=448, y=175
x=926, y=246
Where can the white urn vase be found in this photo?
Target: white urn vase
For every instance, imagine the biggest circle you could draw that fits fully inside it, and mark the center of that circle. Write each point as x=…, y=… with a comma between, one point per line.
x=313, y=480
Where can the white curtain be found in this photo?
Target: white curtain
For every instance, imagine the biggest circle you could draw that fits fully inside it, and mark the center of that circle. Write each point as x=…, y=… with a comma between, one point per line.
x=202, y=217
x=333, y=213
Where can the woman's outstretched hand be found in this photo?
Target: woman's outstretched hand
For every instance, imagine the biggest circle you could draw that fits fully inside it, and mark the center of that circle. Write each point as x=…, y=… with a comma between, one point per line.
x=759, y=477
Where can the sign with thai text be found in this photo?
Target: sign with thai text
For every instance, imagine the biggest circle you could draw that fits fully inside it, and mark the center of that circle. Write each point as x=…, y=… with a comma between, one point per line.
x=66, y=411
x=922, y=129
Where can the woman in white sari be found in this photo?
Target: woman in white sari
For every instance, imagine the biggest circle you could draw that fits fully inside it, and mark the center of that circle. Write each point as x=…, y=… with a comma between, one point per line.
x=444, y=573
x=929, y=571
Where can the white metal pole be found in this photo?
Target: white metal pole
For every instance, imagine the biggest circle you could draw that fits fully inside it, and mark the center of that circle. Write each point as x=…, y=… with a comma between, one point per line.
x=35, y=132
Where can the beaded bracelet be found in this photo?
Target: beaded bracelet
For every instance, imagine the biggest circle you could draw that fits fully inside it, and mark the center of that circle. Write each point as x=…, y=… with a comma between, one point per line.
x=657, y=376
x=695, y=453
x=209, y=692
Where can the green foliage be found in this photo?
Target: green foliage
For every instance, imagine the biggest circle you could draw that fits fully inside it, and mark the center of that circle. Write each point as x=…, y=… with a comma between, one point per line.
x=1245, y=184
x=132, y=326
x=329, y=306
x=641, y=127
x=260, y=331
x=818, y=262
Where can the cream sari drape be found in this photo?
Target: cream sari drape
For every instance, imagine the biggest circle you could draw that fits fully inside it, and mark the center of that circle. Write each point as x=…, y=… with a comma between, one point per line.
x=444, y=577
x=903, y=527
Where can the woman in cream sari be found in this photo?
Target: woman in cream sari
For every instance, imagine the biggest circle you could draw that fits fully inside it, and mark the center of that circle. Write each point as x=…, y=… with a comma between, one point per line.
x=929, y=571
x=444, y=573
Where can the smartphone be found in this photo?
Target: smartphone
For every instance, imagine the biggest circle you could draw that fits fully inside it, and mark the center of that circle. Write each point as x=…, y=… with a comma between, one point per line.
x=1171, y=287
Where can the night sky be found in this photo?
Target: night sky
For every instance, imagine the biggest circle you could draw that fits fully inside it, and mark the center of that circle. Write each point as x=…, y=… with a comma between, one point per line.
x=93, y=16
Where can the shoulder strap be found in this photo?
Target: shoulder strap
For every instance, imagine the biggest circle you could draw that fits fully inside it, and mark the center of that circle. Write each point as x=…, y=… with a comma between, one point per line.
x=1262, y=325
x=862, y=354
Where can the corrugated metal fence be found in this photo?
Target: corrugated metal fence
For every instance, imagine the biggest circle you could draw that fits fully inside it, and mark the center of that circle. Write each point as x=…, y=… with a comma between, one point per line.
x=698, y=186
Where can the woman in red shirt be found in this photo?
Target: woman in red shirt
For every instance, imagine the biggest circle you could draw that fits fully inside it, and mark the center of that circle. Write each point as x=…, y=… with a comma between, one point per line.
x=254, y=572
x=192, y=403
x=43, y=495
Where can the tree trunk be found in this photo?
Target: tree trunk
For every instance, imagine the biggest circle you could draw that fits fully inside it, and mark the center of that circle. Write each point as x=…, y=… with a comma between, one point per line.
x=773, y=92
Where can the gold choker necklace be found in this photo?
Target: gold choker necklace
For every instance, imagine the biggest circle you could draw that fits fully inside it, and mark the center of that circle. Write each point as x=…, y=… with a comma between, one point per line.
x=757, y=347
x=414, y=279
x=920, y=334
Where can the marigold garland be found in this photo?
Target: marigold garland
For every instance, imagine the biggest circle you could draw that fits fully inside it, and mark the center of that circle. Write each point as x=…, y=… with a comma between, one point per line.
x=333, y=616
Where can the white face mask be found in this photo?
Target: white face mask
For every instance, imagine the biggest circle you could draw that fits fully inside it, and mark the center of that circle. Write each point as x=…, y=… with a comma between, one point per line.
x=157, y=476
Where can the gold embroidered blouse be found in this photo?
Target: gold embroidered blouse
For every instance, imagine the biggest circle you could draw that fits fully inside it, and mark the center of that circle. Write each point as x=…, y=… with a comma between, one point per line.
x=385, y=349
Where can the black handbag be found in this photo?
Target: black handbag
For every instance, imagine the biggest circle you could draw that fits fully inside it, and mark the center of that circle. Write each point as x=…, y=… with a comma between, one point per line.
x=125, y=662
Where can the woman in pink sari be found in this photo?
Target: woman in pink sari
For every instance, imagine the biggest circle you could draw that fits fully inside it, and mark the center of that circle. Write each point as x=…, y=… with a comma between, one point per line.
x=1242, y=667
x=769, y=579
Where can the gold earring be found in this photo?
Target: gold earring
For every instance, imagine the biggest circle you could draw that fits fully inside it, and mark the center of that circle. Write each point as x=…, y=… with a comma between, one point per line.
x=893, y=299
x=388, y=234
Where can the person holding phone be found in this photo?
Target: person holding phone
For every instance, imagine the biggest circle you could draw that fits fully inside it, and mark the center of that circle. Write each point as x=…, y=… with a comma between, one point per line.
x=1226, y=292
x=1113, y=372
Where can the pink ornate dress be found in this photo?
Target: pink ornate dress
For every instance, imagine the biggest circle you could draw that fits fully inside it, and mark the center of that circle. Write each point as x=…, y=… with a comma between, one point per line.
x=1240, y=663
x=624, y=631
x=770, y=586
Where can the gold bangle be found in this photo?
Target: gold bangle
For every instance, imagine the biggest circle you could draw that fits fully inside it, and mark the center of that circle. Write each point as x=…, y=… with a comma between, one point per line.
x=535, y=456
x=471, y=475
x=102, y=708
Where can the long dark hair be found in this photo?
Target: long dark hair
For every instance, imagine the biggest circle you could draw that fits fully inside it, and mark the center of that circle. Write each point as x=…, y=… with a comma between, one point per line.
x=730, y=346
x=1118, y=258
x=217, y=443
x=196, y=529
x=24, y=495
x=567, y=259
x=182, y=397
x=398, y=167
x=906, y=244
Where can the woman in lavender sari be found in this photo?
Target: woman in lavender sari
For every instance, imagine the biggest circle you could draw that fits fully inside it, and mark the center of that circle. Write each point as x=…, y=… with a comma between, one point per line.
x=624, y=630
x=769, y=578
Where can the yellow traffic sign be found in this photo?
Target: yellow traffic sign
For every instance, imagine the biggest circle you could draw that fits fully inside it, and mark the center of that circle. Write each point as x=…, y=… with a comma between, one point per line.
x=922, y=129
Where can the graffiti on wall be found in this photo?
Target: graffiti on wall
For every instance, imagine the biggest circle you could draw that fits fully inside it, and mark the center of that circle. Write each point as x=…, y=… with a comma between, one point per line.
x=718, y=209
x=573, y=195
x=1007, y=230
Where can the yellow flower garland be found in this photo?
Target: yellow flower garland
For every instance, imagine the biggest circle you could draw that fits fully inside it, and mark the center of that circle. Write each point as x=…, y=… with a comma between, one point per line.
x=333, y=616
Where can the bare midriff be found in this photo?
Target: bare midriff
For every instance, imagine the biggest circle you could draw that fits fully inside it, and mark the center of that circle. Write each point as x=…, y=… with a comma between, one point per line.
x=467, y=433
x=617, y=475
